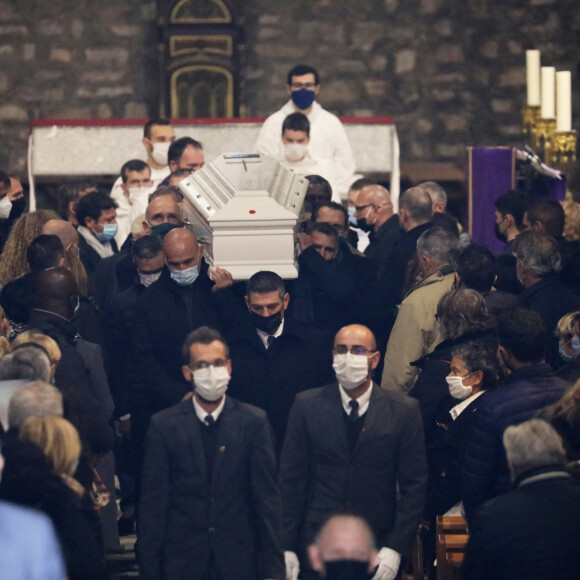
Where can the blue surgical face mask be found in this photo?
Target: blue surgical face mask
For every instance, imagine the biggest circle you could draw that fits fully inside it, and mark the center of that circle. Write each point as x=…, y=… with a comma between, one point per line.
x=303, y=98
x=108, y=233
x=351, y=219
x=564, y=355
x=185, y=277
x=575, y=344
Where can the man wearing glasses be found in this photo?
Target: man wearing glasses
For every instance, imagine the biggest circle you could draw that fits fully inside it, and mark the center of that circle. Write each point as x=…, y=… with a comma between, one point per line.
x=210, y=504
x=352, y=446
x=328, y=140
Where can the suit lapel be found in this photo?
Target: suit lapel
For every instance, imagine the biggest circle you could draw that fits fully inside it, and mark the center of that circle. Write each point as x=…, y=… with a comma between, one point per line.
x=193, y=431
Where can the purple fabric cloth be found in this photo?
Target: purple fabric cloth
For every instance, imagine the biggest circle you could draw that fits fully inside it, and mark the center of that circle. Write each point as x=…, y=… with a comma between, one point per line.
x=491, y=174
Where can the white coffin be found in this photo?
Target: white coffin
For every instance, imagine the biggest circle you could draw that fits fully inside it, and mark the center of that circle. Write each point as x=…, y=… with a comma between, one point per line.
x=254, y=232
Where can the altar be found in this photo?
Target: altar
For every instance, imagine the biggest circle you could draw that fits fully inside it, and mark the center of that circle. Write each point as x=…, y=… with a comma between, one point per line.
x=63, y=148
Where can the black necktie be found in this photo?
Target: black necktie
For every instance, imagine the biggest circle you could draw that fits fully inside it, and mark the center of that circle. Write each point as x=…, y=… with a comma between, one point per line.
x=353, y=404
x=270, y=340
x=209, y=420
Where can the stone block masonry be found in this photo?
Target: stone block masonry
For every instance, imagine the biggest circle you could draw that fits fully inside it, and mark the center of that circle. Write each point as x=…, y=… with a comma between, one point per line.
x=451, y=72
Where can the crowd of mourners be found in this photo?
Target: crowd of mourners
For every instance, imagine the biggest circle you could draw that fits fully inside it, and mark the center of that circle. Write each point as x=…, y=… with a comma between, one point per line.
x=406, y=373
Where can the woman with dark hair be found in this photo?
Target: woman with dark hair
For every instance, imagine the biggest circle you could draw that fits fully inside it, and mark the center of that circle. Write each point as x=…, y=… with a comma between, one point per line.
x=473, y=370
x=463, y=317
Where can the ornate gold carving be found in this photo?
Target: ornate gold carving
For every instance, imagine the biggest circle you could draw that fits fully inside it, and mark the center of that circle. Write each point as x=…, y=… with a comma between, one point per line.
x=185, y=105
x=199, y=45
x=543, y=139
x=564, y=145
x=200, y=11
x=530, y=116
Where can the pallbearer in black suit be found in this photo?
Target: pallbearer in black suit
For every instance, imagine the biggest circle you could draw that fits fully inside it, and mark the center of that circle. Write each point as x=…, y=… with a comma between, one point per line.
x=348, y=446
x=210, y=505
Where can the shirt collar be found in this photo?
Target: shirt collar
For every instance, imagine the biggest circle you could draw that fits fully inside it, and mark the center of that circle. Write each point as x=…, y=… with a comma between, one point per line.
x=202, y=413
x=363, y=400
x=264, y=335
x=459, y=408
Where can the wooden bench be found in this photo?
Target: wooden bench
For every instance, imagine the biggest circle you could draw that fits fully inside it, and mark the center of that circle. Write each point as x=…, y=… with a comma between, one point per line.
x=452, y=537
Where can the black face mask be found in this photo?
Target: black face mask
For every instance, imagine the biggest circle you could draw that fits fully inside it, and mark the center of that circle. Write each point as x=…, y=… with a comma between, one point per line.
x=267, y=324
x=501, y=237
x=17, y=210
x=347, y=570
x=361, y=224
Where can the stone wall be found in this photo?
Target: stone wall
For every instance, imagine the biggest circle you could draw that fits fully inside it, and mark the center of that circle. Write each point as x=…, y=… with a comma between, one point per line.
x=451, y=72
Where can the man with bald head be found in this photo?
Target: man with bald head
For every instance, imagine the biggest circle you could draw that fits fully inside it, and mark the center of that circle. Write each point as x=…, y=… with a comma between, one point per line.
x=182, y=299
x=352, y=445
x=345, y=543
x=66, y=232
x=374, y=213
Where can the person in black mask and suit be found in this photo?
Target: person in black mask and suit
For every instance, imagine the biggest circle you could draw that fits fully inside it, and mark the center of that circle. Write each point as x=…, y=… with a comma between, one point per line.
x=273, y=359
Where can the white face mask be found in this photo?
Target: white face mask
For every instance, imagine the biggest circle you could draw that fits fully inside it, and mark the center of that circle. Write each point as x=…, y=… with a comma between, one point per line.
x=351, y=370
x=211, y=383
x=159, y=153
x=148, y=279
x=457, y=389
x=185, y=277
x=5, y=207
x=138, y=193
x=295, y=151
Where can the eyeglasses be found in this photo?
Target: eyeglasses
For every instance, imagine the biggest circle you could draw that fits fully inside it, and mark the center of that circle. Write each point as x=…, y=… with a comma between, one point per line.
x=218, y=363
x=298, y=86
x=354, y=349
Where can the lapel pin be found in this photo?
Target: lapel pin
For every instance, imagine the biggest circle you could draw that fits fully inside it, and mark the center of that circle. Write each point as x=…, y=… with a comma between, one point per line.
x=222, y=448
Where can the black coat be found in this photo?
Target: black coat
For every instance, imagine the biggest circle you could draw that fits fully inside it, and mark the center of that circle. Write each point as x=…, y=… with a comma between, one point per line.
x=551, y=300
x=393, y=278
x=72, y=377
x=119, y=320
x=270, y=379
x=531, y=532
x=27, y=480
x=162, y=323
x=382, y=242
x=187, y=519
x=485, y=471
x=319, y=474
x=334, y=293
x=431, y=389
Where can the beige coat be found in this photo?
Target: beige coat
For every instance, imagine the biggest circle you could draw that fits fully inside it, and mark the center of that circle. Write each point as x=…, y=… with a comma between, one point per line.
x=415, y=332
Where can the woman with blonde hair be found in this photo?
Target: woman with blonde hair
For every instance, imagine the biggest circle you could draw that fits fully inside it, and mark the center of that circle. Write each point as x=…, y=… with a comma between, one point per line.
x=13, y=262
x=60, y=442
x=39, y=473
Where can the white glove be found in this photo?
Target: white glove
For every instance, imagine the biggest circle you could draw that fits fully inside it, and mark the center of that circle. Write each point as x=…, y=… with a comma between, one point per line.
x=292, y=565
x=389, y=562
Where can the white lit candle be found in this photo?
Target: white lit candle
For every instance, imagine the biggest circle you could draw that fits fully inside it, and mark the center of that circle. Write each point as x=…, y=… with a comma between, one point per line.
x=533, y=77
x=548, y=110
x=564, y=101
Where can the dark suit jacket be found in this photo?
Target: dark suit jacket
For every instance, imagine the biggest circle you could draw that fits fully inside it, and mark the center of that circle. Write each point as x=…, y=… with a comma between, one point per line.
x=531, y=532
x=270, y=379
x=234, y=519
x=162, y=323
x=319, y=475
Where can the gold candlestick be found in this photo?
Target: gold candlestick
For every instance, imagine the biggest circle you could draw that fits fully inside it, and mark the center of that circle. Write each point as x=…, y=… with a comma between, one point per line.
x=564, y=148
x=543, y=139
x=530, y=116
